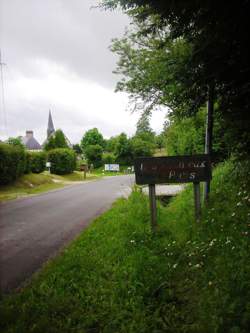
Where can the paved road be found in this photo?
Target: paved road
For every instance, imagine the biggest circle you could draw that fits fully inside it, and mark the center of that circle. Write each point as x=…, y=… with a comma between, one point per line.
x=33, y=229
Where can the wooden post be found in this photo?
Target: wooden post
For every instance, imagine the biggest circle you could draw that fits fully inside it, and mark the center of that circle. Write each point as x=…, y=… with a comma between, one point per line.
x=152, y=200
x=209, y=133
x=85, y=171
x=197, y=202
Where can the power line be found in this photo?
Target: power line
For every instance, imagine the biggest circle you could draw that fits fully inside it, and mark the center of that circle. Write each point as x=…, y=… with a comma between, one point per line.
x=5, y=126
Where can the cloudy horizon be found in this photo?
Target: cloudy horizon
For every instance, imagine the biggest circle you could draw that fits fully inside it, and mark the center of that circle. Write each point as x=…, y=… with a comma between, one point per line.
x=57, y=58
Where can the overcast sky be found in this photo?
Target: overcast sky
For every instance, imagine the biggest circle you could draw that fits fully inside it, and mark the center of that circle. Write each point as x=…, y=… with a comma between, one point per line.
x=57, y=57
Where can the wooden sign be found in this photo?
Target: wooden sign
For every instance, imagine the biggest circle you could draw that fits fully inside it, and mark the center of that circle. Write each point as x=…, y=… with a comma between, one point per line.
x=84, y=167
x=172, y=169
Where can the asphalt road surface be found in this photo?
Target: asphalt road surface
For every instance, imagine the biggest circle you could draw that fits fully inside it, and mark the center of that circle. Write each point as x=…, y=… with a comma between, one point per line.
x=33, y=229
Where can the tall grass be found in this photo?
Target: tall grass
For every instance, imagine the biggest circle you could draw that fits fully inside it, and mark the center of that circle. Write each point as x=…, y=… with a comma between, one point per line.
x=118, y=277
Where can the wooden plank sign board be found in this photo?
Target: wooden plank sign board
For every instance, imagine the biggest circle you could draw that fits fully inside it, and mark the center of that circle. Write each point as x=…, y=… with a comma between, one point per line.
x=172, y=169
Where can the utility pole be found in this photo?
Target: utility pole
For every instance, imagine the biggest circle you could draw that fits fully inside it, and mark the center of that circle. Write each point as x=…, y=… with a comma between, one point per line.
x=3, y=97
x=209, y=133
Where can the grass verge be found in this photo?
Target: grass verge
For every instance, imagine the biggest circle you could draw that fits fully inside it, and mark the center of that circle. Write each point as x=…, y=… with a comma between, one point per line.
x=38, y=183
x=118, y=277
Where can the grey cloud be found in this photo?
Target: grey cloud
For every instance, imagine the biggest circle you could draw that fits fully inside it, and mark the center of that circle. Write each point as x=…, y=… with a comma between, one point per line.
x=66, y=32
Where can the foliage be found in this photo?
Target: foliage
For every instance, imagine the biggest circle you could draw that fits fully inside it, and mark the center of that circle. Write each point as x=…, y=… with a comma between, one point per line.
x=92, y=138
x=160, y=140
x=77, y=148
x=186, y=278
x=37, y=161
x=111, y=144
x=141, y=148
x=12, y=162
x=187, y=137
x=93, y=154
x=16, y=142
x=108, y=158
x=63, y=161
x=56, y=140
x=210, y=51
x=123, y=150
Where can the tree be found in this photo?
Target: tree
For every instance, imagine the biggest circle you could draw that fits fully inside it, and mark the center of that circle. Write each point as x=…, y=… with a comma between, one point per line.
x=76, y=147
x=141, y=148
x=111, y=144
x=215, y=36
x=123, y=151
x=56, y=140
x=92, y=137
x=93, y=154
x=16, y=142
x=160, y=140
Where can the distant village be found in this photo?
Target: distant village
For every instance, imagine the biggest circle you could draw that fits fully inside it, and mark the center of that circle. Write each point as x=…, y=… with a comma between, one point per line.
x=30, y=142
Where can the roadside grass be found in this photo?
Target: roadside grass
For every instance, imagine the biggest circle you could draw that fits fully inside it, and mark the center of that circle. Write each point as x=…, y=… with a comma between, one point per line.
x=118, y=277
x=38, y=183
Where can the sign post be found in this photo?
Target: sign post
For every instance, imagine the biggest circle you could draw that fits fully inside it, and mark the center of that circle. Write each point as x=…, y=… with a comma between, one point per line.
x=197, y=202
x=173, y=169
x=152, y=200
x=48, y=165
x=84, y=168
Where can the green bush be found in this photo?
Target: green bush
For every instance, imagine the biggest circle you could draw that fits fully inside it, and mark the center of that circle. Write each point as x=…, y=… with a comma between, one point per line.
x=27, y=168
x=63, y=161
x=108, y=158
x=12, y=162
x=93, y=154
x=36, y=161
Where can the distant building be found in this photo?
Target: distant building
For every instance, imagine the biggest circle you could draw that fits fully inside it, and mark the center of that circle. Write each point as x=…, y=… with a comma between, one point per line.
x=51, y=131
x=30, y=142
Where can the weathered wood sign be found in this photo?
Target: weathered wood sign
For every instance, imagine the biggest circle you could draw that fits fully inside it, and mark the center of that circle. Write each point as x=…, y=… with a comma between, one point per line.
x=173, y=169
x=84, y=168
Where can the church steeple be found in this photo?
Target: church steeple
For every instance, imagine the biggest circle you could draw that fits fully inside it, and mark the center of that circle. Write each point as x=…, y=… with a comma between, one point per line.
x=50, y=129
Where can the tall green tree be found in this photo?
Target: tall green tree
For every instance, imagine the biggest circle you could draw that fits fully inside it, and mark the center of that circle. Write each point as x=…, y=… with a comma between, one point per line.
x=92, y=137
x=56, y=140
x=93, y=155
x=123, y=150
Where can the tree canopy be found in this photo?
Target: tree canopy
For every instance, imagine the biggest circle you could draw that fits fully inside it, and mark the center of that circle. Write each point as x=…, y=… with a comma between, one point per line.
x=56, y=140
x=92, y=137
x=181, y=47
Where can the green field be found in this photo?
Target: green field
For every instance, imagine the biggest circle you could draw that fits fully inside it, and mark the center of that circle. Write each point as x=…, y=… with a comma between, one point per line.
x=118, y=277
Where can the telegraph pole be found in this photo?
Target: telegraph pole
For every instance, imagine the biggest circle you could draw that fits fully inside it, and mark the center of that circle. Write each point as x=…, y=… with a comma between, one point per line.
x=3, y=97
x=209, y=133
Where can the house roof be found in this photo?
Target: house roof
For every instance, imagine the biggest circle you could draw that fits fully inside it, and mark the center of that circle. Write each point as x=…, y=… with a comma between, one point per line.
x=31, y=143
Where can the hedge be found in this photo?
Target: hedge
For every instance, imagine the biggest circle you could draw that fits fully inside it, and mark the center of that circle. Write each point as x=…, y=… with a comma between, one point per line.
x=12, y=162
x=37, y=161
x=63, y=161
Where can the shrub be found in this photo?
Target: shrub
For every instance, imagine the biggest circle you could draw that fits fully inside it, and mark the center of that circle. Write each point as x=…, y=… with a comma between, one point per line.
x=37, y=161
x=93, y=154
x=141, y=148
x=108, y=158
x=63, y=161
x=12, y=162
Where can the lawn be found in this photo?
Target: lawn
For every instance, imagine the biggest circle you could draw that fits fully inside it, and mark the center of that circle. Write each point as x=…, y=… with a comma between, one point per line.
x=119, y=277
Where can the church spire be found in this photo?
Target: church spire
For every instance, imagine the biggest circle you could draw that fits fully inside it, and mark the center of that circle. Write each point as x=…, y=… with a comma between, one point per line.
x=50, y=129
